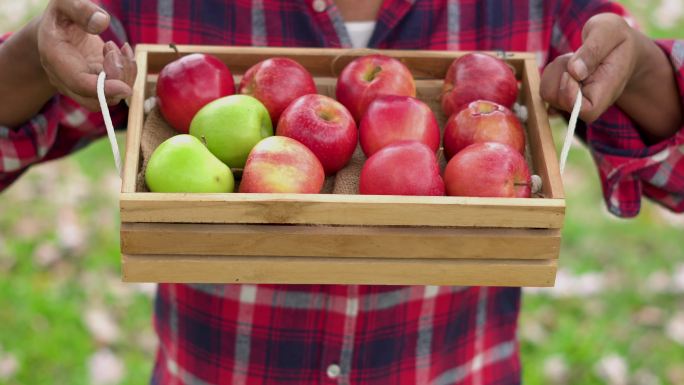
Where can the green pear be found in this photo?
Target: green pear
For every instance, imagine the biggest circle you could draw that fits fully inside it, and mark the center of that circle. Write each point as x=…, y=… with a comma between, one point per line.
x=231, y=126
x=183, y=164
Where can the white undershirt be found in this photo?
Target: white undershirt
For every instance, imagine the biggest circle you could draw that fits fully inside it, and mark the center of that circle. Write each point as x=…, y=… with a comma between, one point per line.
x=360, y=32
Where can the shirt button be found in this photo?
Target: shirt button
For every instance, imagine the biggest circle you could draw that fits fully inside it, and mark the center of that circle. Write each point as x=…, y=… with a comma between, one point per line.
x=319, y=5
x=333, y=371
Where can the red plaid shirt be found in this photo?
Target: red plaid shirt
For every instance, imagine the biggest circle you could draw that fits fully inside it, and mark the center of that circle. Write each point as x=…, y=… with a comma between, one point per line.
x=290, y=334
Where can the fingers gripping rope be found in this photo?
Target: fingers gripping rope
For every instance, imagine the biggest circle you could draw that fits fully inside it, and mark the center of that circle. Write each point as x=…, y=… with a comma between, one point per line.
x=108, y=121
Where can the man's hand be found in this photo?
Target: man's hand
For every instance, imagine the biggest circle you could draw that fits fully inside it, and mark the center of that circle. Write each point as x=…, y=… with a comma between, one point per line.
x=72, y=54
x=616, y=65
x=61, y=52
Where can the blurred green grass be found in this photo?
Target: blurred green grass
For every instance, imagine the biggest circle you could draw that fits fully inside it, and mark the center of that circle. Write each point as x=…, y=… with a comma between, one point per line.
x=619, y=294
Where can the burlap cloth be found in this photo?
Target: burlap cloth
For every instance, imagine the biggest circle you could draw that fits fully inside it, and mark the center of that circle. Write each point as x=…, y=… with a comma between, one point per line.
x=156, y=130
x=346, y=181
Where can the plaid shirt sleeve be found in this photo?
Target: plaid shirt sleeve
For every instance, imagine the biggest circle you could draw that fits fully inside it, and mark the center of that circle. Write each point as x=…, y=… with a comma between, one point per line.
x=628, y=167
x=61, y=127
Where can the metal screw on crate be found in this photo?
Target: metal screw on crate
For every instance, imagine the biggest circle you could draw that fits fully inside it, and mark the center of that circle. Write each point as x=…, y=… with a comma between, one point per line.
x=108, y=121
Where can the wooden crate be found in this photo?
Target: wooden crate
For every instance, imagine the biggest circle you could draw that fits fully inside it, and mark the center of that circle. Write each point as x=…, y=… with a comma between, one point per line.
x=342, y=239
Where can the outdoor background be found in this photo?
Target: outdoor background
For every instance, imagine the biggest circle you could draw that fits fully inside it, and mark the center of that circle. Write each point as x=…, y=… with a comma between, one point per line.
x=615, y=317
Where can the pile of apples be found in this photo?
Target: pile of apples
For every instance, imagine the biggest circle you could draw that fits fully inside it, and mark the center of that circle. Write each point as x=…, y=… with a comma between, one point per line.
x=316, y=135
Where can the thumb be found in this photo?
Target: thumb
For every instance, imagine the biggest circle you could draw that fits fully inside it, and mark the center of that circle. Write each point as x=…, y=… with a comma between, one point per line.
x=85, y=14
x=601, y=35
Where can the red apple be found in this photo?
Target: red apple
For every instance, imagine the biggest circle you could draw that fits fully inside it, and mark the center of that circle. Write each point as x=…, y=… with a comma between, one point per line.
x=188, y=84
x=276, y=82
x=488, y=169
x=367, y=77
x=324, y=126
x=482, y=121
x=476, y=76
x=403, y=168
x=279, y=164
x=391, y=118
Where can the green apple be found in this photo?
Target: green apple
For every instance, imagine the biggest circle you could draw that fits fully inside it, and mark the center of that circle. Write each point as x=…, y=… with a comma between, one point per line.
x=231, y=126
x=183, y=164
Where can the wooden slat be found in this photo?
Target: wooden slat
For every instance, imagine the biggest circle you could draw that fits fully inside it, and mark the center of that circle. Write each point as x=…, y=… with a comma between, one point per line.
x=135, y=124
x=303, y=270
x=540, y=138
x=345, y=241
x=360, y=210
x=320, y=61
x=426, y=89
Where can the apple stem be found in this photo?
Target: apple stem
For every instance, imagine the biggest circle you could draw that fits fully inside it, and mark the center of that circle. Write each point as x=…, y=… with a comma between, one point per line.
x=204, y=140
x=173, y=46
x=376, y=70
x=347, y=53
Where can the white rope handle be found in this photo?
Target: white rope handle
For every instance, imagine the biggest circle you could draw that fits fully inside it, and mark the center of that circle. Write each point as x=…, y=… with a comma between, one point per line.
x=571, y=131
x=108, y=121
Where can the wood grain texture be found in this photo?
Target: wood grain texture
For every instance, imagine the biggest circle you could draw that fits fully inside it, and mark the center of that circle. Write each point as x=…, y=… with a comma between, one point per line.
x=371, y=271
x=322, y=61
x=344, y=241
x=426, y=89
x=540, y=138
x=135, y=125
x=333, y=209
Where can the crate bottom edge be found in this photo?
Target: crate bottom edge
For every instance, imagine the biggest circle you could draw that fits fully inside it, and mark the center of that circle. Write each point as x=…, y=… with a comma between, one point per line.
x=366, y=271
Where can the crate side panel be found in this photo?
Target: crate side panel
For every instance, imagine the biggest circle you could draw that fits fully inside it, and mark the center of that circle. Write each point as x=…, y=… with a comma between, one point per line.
x=333, y=209
x=300, y=270
x=347, y=241
x=540, y=138
x=323, y=62
x=135, y=126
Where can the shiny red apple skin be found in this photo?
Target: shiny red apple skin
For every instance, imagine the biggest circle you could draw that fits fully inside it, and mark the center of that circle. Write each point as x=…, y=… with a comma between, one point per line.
x=403, y=168
x=279, y=164
x=483, y=121
x=367, y=77
x=391, y=118
x=276, y=82
x=324, y=126
x=488, y=169
x=478, y=76
x=189, y=83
